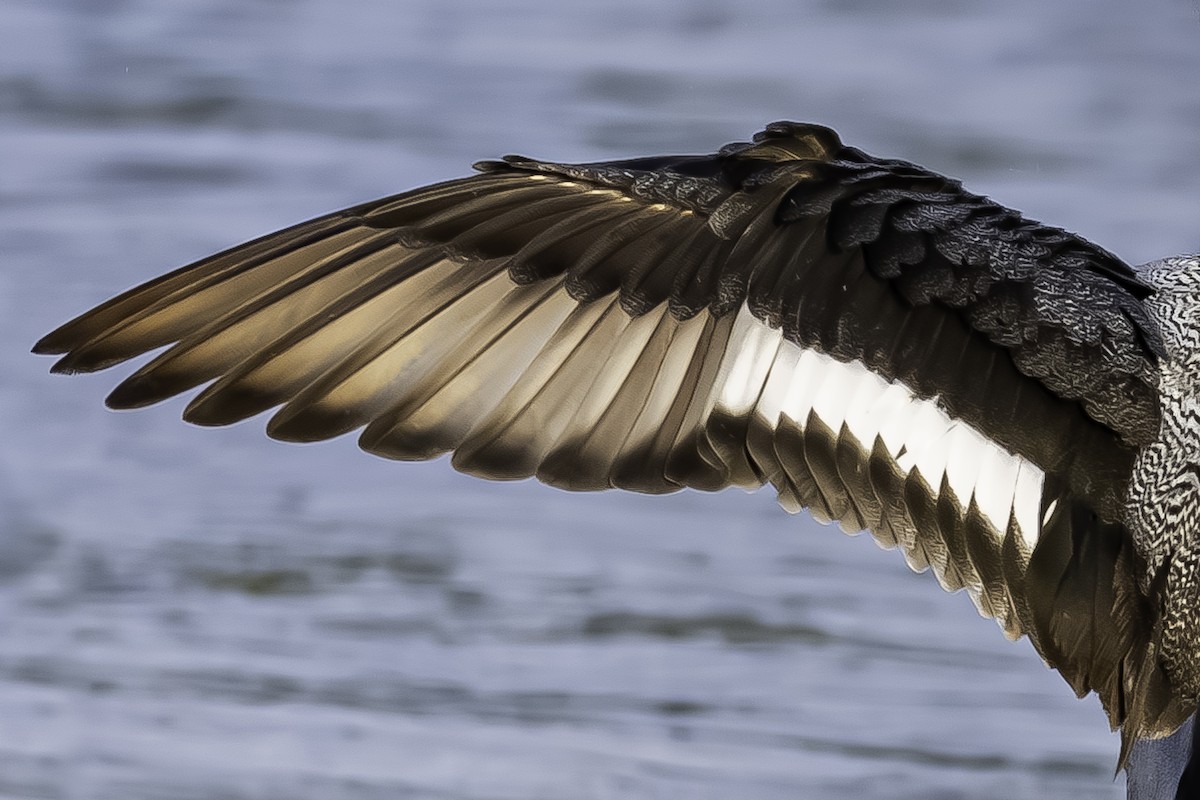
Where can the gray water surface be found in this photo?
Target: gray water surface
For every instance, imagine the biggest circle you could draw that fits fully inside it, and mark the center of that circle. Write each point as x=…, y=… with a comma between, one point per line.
x=189, y=614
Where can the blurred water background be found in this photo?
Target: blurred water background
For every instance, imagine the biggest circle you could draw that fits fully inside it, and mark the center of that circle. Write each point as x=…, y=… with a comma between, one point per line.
x=189, y=614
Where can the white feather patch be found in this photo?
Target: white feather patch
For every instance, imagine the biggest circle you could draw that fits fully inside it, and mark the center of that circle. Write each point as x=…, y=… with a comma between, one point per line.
x=770, y=378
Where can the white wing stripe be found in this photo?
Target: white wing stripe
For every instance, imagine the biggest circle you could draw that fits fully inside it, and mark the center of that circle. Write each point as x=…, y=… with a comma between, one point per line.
x=748, y=358
x=995, y=487
x=1027, y=501
x=775, y=380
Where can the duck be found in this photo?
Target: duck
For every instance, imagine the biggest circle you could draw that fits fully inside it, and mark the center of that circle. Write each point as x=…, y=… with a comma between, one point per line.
x=1010, y=406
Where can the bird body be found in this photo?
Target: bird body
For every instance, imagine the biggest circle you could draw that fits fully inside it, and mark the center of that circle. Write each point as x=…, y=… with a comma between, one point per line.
x=1163, y=508
x=1005, y=402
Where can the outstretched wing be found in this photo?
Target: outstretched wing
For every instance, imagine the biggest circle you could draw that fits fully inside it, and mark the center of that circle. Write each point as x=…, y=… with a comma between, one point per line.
x=879, y=345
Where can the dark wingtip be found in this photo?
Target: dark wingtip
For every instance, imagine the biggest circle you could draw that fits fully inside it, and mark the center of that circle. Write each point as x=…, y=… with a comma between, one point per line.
x=62, y=366
x=47, y=346
x=87, y=359
x=77, y=362
x=220, y=405
x=136, y=392
x=306, y=424
x=58, y=341
x=1123, y=757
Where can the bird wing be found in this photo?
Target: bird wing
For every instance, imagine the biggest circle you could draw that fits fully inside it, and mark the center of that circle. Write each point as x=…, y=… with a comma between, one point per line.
x=879, y=345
